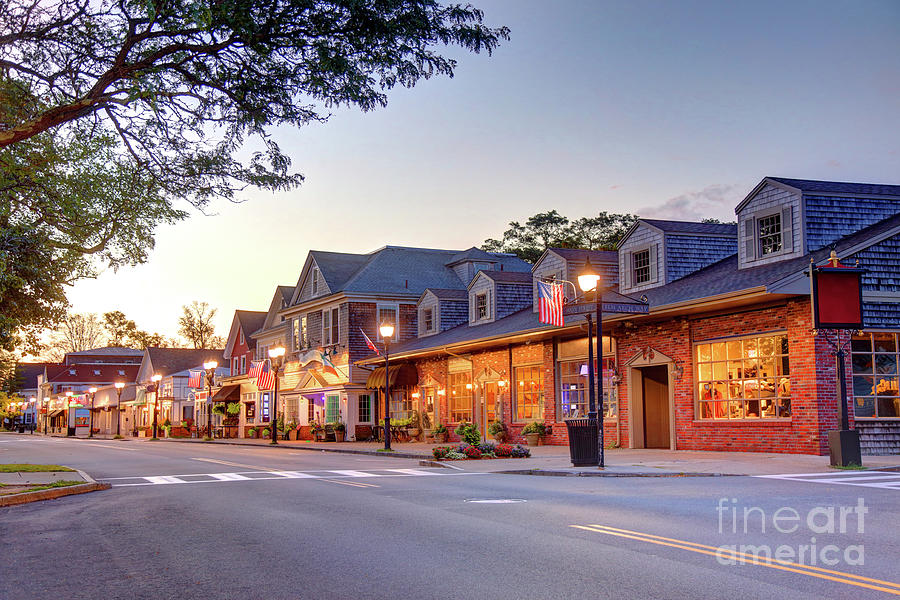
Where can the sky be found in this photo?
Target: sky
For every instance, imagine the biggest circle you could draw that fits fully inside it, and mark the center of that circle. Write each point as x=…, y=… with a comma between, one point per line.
x=663, y=109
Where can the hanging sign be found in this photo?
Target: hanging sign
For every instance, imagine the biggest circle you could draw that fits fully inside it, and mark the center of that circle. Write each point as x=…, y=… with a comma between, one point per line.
x=836, y=293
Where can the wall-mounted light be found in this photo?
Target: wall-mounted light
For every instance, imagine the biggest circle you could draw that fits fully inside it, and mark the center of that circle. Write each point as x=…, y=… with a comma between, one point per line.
x=442, y=392
x=415, y=394
x=501, y=383
x=468, y=386
x=677, y=369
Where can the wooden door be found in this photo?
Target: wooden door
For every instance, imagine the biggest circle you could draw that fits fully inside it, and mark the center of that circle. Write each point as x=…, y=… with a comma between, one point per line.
x=655, y=387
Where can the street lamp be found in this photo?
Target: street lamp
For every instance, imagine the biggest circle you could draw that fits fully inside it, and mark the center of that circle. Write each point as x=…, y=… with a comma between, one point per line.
x=91, y=391
x=276, y=356
x=210, y=367
x=119, y=387
x=69, y=394
x=32, y=401
x=157, y=382
x=387, y=332
x=589, y=280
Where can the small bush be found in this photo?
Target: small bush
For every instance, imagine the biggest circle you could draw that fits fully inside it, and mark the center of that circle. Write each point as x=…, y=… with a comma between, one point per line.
x=503, y=450
x=441, y=428
x=536, y=427
x=441, y=452
x=520, y=452
x=487, y=447
x=473, y=452
x=469, y=432
x=266, y=433
x=452, y=455
x=496, y=428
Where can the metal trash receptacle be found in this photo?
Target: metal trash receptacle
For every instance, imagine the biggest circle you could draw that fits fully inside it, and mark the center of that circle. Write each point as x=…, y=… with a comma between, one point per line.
x=584, y=449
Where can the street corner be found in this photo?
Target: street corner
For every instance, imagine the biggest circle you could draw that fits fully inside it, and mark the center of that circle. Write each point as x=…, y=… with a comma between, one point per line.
x=23, y=487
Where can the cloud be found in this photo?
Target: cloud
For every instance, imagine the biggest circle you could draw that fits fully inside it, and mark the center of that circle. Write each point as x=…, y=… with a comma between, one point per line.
x=614, y=187
x=715, y=201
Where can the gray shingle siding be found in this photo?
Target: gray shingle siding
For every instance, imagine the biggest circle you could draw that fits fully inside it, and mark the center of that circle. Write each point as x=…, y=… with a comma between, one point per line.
x=829, y=218
x=883, y=263
x=512, y=298
x=688, y=253
x=881, y=315
x=453, y=313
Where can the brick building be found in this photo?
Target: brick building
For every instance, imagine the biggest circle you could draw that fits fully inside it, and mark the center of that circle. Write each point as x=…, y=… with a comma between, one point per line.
x=726, y=359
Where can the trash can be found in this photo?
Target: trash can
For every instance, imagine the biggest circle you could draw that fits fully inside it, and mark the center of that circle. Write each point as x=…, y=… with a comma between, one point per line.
x=583, y=444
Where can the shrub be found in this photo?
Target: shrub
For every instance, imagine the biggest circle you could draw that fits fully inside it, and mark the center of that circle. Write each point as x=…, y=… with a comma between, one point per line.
x=339, y=426
x=441, y=452
x=251, y=431
x=167, y=423
x=266, y=432
x=219, y=409
x=441, y=428
x=233, y=408
x=487, y=447
x=472, y=452
x=496, y=427
x=455, y=455
x=503, y=450
x=468, y=432
x=520, y=452
x=537, y=427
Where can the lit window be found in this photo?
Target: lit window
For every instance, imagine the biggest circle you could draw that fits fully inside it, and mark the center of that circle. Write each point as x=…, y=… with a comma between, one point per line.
x=875, y=376
x=332, y=409
x=460, y=397
x=769, y=229
x=744, y=378
x=640, y=266
x=529, y=395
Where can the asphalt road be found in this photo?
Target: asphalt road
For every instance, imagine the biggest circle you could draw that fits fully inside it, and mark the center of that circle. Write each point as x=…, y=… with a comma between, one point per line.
x=202, y=521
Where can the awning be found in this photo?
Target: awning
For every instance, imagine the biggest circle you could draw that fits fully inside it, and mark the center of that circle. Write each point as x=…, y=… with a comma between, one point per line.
x=228, y=393
x=401, y=376
x=56, y=413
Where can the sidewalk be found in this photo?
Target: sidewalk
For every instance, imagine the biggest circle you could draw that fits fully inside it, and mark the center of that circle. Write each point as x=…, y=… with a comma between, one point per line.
x=547, y=460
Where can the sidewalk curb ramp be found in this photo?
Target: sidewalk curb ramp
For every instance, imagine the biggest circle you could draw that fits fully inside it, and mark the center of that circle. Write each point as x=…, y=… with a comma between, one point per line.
x=89, y=485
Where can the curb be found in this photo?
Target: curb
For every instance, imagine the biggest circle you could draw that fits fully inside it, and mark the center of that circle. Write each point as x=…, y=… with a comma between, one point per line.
x=90, y=485
x=548, y=473
x=442, y=465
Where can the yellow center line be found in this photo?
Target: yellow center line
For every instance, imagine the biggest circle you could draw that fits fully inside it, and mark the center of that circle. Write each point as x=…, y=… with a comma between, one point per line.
x=730, y=552
x=745, y=558
x=234, y=464
x=352, y=483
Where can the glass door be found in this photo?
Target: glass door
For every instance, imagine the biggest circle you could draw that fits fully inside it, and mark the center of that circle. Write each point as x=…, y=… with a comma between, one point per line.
x=429, y=398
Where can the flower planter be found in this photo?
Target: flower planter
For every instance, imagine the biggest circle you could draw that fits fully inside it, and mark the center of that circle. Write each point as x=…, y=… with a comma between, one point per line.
x=338, y=436
x=440, y=438
x=413, y=433
x=533, y=439
x=292, y=435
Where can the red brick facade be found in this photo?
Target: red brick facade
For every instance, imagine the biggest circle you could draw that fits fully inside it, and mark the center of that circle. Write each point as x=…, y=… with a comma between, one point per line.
x=812, y=379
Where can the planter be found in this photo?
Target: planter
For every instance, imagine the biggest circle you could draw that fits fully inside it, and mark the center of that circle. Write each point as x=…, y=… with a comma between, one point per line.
x=413, y=433
x=533, y=439
x=292, y=435
x=339, y=436
x=440, y=438
x=320, y=436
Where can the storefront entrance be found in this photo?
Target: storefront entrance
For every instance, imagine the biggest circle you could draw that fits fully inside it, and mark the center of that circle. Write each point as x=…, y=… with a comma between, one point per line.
x=655, y=396
x=486, y=406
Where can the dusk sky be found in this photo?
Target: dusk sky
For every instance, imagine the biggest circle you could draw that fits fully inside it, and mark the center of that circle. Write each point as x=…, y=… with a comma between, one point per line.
x=663, y=109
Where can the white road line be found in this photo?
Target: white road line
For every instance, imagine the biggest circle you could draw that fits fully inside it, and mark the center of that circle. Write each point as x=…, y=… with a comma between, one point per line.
x=232, y=464
x=229, y=476
x=414, y=472
x=163, y=479
x=355, y=473
x=295, y=475
x=887, y=480
x=112, y=447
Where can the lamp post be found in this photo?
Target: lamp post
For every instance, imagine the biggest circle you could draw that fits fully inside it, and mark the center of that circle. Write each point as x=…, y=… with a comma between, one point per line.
x=46, y=414
x=119, y=387
x=210, y=367
x=276, y=356
x=91, y=391
x=69, y=395
x=157, y=382
x=32, y=401
x=589, y=280
x=387, y=332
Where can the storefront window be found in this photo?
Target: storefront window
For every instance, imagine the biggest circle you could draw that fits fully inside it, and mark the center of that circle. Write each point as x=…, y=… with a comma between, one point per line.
x=745, y=378
x=573, y=379
x=332, y=409
x=401, y=404
x=250, y=408
x=875, y=376
x=460, y=397
x=365, y=408
x=264, y=398
x=529, y=396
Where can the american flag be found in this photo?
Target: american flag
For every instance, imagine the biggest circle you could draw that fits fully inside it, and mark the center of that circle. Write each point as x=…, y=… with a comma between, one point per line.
x=257, y=367
x=370, y=343
x=265, y=381
x=195, y=380
x=550, y=303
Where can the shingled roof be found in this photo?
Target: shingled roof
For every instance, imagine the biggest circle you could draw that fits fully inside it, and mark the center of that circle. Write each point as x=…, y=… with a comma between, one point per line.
x=840, y=187
x=166, y=361
x=729, y=229
x=508, y=276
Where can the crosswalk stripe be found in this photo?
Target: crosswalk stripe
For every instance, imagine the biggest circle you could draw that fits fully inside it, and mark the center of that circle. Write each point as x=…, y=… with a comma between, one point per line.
x=163, y=479
x=888, y=480
x=356, y=473
x=273, y=475
x=411, y=471
x=295, y=475
x=229, y=476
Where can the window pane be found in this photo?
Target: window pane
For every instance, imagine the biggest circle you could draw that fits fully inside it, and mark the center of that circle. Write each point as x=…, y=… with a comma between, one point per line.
x=734, y=369
x=752, y=409
x=734, y=349
x=784, y=408
x=766, y=346
x=705, y=372
x=784, y=366
x=863, y=385
x=767, y=388
x=888, y=407
x=884, y=342
x=862, y=363
x=718, y=351
x=886, y=386
x=864, y=407
x=767, y=367
x=750, y=368
x=861, y=344
x=750, y=348
x=703, y=353
x=884, y=363
x=719, y=371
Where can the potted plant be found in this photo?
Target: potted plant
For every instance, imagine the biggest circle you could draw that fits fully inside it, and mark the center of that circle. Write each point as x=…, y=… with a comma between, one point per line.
x=413, y=428
x=498, y=430
x=167, y=425
x=533, y=432
x=219, y=409
x=251, y=433
x=468, y=432
x=440, y=433
x=293, y=431
x=318, y=431
x=266, y=433
x=339, y=430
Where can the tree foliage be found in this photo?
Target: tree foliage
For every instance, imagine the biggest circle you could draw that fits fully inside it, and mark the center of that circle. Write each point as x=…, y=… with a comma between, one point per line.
x=195, y=325
x=183, y=83
x=553, y=230
x=76, y=332
x=122, y=331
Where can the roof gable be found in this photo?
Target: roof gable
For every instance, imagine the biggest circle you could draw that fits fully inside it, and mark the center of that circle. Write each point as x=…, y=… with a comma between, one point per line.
x=248, y=321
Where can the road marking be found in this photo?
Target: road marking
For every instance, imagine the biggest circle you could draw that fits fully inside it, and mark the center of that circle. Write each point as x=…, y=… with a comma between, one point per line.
x=874, y=479
x=351, y=483
x=231, y=464
x=112, y=447
x=751, y=559
x=498, y=501
x=267, y=475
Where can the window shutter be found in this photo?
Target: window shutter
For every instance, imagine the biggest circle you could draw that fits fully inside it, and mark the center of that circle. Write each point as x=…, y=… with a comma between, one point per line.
x=654, y=275
x=626, y=276
x=749, y=239
x=787, y=229
x=435, y=324
x=488, y=313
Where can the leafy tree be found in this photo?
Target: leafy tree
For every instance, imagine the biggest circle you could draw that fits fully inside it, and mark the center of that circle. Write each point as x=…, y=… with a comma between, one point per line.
x=183, y=83
x=119, y=329
x=195, y=325
x=75, y=333
x=552, y=230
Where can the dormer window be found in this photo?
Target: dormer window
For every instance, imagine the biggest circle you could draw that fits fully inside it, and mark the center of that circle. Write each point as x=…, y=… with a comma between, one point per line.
x=481, y=307
x=428, y=319
x=769, y=234
x=640, y=265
